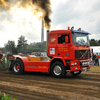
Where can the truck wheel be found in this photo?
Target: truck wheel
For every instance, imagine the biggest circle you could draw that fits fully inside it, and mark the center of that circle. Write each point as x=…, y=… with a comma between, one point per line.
x=17, y=67
x=75, y=74
x=58, y=70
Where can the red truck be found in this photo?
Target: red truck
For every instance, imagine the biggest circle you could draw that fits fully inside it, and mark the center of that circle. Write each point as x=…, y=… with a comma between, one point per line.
x=67, y=50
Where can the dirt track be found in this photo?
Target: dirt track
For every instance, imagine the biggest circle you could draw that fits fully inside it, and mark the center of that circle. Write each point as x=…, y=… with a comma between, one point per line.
x=42, y=86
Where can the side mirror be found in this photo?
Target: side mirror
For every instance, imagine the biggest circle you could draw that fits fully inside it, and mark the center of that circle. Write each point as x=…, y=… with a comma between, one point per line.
x=66, y=39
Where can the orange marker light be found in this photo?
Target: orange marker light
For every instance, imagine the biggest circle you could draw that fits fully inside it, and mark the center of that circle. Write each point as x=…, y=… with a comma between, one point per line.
x=68, y=28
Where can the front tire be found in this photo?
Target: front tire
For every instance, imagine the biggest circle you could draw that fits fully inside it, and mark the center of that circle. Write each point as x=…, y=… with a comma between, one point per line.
x=17, y=67
x=58, y=70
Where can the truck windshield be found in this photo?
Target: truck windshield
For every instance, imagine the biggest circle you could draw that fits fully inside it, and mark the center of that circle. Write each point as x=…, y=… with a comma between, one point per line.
x=80, y=39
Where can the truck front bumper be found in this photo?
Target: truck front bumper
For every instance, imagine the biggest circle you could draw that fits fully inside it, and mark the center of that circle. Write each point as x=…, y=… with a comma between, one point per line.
x=79, y=68
x=80, y=65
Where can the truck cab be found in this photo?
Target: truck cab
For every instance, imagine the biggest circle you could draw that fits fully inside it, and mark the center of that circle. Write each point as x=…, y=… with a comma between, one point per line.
x=72, y=47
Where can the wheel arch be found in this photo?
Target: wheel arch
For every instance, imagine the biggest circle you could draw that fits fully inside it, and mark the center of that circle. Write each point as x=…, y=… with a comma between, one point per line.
x=57, y=60
x=20, y=60
x=14, y=60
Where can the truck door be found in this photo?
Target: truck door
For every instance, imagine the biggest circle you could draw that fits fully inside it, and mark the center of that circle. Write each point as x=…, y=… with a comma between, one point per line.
x=52, y=45
x=63, y=49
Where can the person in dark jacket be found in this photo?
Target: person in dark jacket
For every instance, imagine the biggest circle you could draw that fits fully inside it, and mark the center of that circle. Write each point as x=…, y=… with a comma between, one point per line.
x=93, y=59
x=96, y=59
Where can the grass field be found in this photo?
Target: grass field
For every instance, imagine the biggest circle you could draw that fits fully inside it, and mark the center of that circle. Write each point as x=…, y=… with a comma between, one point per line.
x=94, y=69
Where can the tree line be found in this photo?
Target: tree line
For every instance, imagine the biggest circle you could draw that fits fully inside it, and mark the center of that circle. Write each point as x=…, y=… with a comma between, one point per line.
x=94, y=42
x=23, y=46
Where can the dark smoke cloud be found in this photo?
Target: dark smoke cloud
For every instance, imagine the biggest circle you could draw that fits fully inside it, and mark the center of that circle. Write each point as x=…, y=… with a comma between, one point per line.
x=43, y=6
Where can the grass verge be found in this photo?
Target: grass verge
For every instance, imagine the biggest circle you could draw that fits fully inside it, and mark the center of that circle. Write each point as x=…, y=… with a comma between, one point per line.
x=94, y=69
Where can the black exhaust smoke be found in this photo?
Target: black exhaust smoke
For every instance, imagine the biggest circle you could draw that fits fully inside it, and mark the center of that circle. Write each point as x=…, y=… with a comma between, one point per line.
x=41, y=6
x=45, y=6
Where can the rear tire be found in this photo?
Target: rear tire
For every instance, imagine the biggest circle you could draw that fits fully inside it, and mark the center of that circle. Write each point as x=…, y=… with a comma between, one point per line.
x=58, y=70
x=17, y=67
x=75, y=74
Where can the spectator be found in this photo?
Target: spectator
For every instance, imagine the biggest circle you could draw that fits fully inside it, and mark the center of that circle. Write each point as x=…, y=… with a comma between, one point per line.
x=0, y=52
x=93, y=58
x=1, y=56
x=96, y=59
x=3, y=94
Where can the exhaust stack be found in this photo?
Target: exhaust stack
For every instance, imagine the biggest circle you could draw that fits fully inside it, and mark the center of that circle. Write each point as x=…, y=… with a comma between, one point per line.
x=42, y=34
x=47, y=41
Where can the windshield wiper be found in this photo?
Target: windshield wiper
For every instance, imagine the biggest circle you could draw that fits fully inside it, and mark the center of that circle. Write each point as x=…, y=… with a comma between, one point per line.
x=78, y=43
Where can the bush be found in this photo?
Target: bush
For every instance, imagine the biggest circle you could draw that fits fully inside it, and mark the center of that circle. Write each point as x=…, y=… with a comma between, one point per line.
x=1, y=95
x=6, y=97
x=5, y=62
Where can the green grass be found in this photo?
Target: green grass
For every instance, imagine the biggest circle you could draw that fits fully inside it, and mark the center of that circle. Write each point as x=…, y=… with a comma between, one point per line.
x=94, y=69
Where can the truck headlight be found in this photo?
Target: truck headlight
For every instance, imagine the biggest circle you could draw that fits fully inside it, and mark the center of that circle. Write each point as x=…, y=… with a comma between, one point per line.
x=76, y=67
x=75, y=63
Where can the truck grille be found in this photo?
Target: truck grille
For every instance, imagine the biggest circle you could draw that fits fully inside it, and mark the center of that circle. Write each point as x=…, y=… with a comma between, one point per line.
x=82, y=54
x=85, y=63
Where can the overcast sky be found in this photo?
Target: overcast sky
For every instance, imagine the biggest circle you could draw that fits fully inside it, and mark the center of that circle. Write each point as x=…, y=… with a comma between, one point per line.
x=84, y=14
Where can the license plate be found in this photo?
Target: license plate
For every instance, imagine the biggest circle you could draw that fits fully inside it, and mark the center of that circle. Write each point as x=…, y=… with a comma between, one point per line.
x=84, y=68
x=76, y=72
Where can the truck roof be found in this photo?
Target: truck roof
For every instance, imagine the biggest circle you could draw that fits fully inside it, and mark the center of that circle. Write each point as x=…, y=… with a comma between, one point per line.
x=78, y=31
x=67, y=31
x=59, y=31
